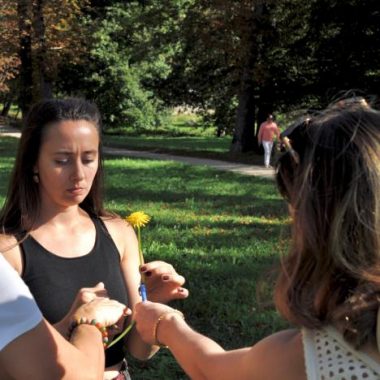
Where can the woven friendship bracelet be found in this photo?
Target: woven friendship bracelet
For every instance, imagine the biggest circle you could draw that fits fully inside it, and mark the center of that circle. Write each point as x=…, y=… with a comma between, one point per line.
x=159, y=319
x=84, y=321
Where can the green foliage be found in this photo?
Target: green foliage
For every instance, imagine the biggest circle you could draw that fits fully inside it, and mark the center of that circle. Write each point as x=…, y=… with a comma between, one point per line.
x=174, y=125
x=114, y=81
x=130, y=55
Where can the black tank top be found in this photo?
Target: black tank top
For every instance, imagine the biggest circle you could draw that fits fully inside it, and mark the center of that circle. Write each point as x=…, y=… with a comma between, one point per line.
x=54, y=281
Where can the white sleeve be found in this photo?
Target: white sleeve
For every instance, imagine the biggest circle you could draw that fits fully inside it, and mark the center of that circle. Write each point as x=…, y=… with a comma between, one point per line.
x=19, y=312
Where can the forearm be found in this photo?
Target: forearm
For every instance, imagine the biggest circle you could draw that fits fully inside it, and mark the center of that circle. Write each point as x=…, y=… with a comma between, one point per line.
x=198, y=355
x=62, y=327
x=86, y=339
x=47, y=355
x=138, y=348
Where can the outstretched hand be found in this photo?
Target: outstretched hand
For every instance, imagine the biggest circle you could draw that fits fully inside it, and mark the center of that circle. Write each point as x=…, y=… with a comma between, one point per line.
x=103, y=310
x=163, y=283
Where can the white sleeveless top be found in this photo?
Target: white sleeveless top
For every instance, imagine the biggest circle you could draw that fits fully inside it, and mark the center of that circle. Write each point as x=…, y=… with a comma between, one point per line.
x=329, y=357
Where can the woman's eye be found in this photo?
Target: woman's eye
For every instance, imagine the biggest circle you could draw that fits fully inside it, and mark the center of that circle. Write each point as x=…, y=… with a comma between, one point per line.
x=88, y=160
x=62, y=162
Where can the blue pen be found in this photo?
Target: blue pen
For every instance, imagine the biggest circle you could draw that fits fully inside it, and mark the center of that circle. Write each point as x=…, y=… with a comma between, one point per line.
x=142, y=290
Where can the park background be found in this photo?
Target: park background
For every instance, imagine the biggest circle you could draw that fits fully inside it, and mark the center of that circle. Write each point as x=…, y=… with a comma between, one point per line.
x=192, y=77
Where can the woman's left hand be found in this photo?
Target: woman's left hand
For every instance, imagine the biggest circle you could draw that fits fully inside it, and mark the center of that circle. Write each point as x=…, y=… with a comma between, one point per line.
x=163, y=283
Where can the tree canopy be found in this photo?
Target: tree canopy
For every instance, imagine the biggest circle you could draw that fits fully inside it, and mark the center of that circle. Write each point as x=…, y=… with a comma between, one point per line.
x=232, y=60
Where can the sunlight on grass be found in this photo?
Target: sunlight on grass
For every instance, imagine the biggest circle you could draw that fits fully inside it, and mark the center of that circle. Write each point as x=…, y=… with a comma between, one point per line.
x=223, y=231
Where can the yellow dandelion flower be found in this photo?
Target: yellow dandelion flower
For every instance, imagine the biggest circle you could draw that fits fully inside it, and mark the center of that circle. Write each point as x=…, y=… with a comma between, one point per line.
x=138, y=219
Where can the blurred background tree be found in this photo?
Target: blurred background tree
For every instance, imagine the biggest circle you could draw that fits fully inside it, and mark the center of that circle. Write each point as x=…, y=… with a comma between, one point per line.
x=232, y=61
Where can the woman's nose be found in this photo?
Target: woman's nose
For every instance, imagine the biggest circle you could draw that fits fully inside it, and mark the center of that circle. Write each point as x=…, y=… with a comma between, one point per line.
x=78, y=172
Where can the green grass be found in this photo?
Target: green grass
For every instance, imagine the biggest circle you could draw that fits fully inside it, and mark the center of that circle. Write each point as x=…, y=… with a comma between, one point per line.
x=186, y=144
x=183, y=135
x=174, y=125
x=221, y=230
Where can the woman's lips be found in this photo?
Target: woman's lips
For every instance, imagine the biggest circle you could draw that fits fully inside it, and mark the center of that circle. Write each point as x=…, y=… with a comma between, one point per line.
x=76, y=190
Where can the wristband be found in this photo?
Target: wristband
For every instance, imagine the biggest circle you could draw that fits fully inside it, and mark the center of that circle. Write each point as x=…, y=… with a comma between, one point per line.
x=84, y=321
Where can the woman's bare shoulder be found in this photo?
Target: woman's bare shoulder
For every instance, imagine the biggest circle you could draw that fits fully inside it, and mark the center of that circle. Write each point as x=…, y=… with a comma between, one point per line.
x=7, y=242
x=279, y=356
x=121, y=232
x=115, y=224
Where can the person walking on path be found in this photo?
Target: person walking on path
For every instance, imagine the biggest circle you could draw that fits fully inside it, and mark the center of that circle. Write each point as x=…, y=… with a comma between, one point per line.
x=268, y=130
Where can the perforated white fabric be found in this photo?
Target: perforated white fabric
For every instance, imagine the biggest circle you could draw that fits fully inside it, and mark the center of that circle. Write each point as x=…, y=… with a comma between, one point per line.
x=329, y=357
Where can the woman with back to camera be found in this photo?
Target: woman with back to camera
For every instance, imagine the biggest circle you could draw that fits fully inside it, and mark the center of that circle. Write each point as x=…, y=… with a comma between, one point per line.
x=329, y=284
x=58, y=236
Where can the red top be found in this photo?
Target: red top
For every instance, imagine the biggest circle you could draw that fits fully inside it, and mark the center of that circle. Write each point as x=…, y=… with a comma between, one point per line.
x=267, y=131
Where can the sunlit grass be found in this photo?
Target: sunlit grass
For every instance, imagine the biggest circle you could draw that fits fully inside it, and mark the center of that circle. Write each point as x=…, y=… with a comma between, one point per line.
x=223, y=231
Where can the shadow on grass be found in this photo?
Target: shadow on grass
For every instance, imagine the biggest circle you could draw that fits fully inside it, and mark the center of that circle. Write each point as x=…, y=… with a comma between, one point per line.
x=192, y=188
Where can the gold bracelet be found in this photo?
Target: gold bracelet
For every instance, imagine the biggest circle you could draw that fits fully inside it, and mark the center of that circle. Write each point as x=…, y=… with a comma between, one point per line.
x=159, y=319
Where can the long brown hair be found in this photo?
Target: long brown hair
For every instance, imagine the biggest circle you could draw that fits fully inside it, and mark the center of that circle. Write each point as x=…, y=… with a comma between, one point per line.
x=332, y=273
x=22, y=203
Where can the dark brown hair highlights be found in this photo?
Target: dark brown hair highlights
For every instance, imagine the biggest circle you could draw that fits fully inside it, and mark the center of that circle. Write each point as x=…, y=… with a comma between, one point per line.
x=22, y=203
x=332, y=274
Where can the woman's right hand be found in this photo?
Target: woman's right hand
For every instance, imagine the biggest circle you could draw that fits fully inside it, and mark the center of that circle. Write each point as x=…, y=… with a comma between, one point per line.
x=105, y=311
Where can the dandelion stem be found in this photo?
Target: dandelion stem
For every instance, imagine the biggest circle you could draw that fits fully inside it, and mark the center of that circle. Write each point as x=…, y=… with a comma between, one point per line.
x=122, y=335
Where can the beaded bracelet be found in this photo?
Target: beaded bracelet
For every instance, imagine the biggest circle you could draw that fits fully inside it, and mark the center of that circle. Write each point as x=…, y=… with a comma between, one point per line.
x=85, y=321
x=159, y=319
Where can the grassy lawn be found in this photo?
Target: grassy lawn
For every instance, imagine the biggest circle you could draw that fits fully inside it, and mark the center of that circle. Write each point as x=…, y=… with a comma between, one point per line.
x=182, y=135
x=221, y=230
x=193, y=146
x=187, y=144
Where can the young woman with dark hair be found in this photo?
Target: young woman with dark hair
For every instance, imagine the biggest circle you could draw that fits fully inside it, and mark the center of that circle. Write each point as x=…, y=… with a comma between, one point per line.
x=58, y=236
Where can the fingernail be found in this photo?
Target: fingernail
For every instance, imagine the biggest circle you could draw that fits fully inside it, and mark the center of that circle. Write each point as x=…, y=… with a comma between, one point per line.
x=165, y=278
x=149, y=273
x=143, y=268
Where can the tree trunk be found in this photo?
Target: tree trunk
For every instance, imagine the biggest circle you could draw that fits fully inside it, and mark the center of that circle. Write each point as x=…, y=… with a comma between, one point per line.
x=244, y=134
x=25, y=98
x=6, y=108
x=44, y=88
x=264, y=103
